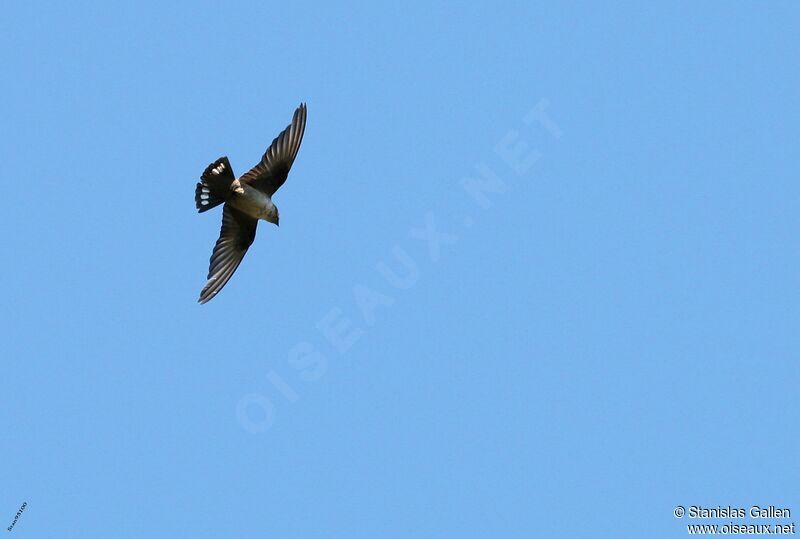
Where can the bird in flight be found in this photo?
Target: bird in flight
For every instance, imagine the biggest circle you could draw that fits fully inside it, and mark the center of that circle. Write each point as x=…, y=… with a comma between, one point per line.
x=245, y=200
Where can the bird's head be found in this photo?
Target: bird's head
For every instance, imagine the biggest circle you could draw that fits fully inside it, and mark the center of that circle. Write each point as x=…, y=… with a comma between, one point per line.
x=273, y=216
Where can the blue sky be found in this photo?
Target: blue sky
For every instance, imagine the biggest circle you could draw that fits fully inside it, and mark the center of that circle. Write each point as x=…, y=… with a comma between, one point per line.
x=536, y=274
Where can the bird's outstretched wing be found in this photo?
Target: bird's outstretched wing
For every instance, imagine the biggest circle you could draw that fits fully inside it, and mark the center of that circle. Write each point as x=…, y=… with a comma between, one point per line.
x=271, y=172
x=236, y=236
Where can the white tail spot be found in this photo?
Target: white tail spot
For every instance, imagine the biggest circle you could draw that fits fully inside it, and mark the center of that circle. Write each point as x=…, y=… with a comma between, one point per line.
x=204, y=196
x=205, y=190
x=204, y=202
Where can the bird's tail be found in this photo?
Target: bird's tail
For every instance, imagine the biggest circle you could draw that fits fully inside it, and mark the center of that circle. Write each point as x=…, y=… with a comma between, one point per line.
x=214, y=185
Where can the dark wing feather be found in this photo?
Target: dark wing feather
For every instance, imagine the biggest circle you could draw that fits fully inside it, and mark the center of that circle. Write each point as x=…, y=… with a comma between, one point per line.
x=271, y=172
x=236, y=236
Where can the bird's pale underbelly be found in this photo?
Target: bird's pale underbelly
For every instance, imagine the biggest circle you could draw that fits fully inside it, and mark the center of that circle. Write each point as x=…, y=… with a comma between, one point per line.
x=252, y=202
